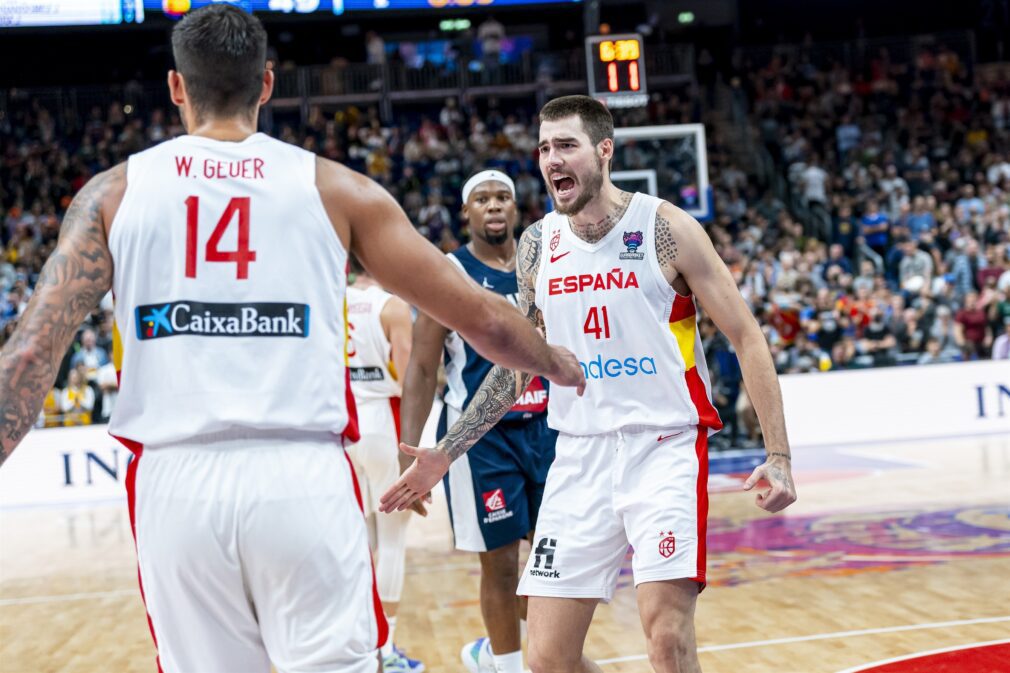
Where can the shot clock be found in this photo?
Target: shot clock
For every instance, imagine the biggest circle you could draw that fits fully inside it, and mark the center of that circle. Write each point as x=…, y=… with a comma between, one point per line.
x=615, y=67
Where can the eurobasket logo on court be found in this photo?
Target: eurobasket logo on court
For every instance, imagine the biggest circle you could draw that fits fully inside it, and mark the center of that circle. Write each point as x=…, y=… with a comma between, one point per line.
x=180, y=318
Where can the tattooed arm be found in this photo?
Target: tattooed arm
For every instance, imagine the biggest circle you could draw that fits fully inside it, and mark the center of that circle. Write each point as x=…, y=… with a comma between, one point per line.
x=74, y=279
x=697, y=268
x=496, y=395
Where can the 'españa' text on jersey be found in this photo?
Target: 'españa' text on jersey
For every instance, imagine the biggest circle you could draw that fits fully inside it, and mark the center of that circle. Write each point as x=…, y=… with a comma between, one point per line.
x=635, y=337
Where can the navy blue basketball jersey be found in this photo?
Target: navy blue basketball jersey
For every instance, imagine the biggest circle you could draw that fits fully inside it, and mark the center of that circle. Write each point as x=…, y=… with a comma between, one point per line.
x=464, y=368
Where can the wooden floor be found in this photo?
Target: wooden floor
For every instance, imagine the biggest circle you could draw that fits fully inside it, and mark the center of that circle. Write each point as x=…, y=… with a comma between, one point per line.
x=891, y=549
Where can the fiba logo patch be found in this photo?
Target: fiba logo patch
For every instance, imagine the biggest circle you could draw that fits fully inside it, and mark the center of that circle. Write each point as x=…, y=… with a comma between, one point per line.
x=494, y=500
x=544, y=554
x=667, y=545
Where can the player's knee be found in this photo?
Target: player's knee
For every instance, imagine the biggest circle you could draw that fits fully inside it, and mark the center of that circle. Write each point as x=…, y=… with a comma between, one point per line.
x=552, y=659
x=670, y=646
x=501, y=564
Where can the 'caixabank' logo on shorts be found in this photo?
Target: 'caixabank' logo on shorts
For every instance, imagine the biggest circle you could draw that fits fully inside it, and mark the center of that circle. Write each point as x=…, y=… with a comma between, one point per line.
x=195, y=318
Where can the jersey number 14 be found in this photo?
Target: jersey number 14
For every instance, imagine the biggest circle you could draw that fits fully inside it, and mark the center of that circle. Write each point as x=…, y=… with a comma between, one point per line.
x=242, y=256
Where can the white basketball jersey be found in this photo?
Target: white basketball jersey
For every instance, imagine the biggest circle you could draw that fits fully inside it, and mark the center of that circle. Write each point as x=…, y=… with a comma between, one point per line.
x=373, y=376
x=635, y=337
x=229, y=287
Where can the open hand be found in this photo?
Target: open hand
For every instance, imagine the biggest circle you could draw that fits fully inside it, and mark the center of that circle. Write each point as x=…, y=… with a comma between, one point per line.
x=416, y=482
x=777, y=472
x=567, y=370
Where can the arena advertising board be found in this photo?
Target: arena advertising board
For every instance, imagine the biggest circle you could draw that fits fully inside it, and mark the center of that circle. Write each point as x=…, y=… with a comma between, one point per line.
x=85, y=464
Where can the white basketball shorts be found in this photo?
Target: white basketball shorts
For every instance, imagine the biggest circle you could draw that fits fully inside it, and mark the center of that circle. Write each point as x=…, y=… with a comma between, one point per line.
x=253, y=551
x=643, y=486
x=377, y=453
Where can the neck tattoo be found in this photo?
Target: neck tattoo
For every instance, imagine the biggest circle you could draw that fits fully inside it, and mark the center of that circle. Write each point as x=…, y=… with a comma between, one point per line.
x=595, y=231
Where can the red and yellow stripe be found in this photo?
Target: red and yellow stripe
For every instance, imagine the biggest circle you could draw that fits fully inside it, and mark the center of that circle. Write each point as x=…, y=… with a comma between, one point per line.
x=683, y=325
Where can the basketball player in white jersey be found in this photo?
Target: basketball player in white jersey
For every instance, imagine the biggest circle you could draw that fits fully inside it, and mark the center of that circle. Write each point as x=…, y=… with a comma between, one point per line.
x=614, y=277
x=227, y=253
x=378, y=349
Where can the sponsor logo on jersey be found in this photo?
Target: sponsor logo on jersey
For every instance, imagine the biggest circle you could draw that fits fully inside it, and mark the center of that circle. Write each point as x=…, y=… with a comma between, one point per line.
x=367, y=374
x=533, y=400
x=667, y=544
x=494, y=505
x=544, y=556
x=555, y=258
x=633, y=241
x=260, y=319
x=614, y=368
x=615, y=279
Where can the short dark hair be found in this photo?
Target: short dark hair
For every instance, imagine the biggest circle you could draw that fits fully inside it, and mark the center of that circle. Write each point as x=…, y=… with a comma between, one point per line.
x=221, y=51
x=596, y=119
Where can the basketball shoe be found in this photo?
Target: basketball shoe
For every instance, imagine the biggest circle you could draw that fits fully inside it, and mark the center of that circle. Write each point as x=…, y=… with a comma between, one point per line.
x=477, y=656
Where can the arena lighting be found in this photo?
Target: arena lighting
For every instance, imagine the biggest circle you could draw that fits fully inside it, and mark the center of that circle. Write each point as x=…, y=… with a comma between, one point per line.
x=685, y=18
x=449, y=25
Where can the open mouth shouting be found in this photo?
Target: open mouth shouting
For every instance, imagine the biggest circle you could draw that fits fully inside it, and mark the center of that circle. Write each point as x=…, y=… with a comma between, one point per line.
x=564, y=185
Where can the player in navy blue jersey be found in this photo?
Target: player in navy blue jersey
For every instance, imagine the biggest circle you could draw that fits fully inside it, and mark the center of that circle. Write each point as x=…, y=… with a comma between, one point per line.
x=494, y=491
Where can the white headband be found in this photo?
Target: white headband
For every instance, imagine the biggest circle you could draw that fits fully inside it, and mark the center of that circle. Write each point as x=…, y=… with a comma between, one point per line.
x=485, y=176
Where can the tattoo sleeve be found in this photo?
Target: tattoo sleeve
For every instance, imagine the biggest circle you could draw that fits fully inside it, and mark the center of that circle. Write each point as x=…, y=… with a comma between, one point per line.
x=74, y=279
x=501, y=387
x=666, y=245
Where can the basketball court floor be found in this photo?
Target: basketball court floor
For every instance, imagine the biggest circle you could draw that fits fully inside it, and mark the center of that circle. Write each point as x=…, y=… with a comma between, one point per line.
x=893, y=549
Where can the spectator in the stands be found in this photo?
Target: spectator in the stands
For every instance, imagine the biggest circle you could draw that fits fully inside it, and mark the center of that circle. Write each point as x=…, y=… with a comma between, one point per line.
x=973, y=325
x=1001, y=344
x=90, y=355
x=875, y=228
x=77, y=399
x=916, y=267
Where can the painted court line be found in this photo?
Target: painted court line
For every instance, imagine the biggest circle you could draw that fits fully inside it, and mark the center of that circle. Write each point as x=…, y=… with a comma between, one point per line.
x=59, y=598
x=820, y=636
x=917, y=655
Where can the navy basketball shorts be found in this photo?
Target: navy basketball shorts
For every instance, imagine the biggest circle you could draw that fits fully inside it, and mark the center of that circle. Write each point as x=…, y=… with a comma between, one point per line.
x=494, y=490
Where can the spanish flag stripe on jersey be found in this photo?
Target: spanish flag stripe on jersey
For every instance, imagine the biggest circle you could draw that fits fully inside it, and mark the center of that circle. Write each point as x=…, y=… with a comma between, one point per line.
x=683, y=324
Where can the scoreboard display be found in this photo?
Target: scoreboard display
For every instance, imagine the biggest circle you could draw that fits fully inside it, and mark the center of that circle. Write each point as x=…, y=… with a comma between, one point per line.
x=34, y=13
x=615, y=67
x=341, y=6
x=29, y=13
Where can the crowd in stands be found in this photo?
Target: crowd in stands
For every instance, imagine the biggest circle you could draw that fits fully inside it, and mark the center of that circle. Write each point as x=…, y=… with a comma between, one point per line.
x=882, y=238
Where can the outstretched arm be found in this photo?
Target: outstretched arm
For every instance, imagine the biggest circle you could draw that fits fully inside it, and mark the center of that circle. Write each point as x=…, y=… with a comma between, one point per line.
x=708, y=278
x=405, y=263
x=496, y=395
x=74, y=279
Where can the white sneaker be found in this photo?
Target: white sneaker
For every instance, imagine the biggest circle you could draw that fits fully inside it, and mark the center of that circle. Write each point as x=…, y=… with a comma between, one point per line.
x=477, y=656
